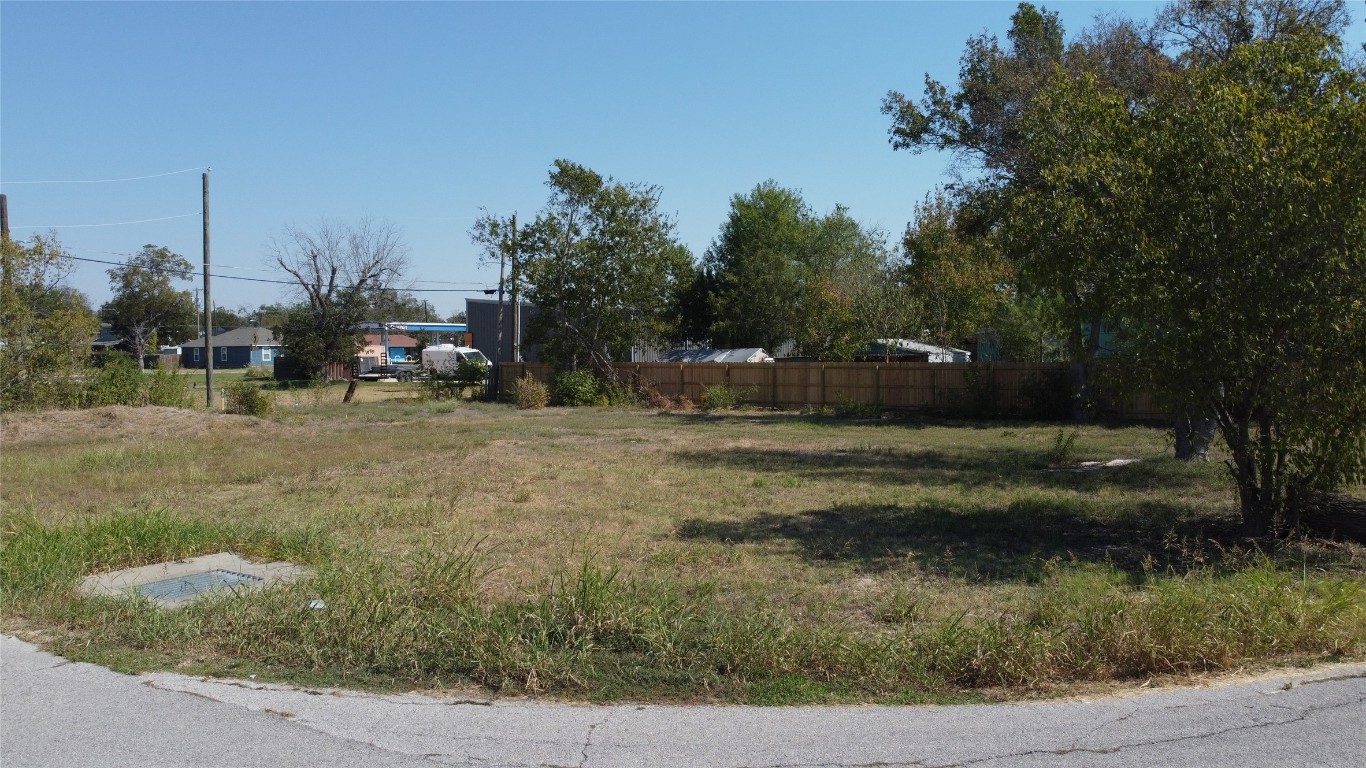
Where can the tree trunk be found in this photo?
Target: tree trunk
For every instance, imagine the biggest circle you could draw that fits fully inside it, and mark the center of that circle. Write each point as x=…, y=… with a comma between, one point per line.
x=1334, y=514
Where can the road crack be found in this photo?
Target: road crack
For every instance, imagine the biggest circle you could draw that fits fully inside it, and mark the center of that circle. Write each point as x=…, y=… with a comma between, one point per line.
x=1303, y=715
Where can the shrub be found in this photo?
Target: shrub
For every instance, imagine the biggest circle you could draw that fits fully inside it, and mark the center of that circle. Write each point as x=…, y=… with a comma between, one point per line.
x=118, y=382
x=576, y=388
x=246, y=399
x=167, y=387
x=618, y=396
x=259, y=373
x=1064, y=448
x=469, y=377
x=724, y=397
x=848, y=408
x=530, y=393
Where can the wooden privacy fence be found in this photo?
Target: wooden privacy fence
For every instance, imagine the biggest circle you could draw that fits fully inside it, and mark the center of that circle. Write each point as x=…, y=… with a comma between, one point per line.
x=1000, y=388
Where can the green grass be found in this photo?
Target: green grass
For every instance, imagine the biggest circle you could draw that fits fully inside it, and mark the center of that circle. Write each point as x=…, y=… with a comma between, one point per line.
x=618, y=554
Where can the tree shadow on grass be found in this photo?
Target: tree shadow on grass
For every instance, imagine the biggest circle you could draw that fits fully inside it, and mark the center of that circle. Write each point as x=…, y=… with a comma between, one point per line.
x=967, y=467
x=1010, y=543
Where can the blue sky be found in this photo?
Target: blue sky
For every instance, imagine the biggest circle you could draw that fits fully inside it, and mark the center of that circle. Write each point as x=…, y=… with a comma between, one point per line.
x=423, y=113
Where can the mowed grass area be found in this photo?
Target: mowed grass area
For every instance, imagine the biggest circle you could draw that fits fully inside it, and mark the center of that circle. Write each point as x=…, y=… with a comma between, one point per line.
x=613, y=554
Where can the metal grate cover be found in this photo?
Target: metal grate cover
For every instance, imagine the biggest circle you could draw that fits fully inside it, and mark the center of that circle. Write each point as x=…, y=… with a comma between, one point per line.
x=195, y=584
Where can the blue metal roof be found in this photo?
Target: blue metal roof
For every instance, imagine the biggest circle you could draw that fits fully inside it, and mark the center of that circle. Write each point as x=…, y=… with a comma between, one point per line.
x=435, y=327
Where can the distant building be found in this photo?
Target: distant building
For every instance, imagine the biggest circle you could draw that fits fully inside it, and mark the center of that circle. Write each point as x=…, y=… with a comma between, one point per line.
x=401, y=349
x=481, y=317
x=237, y=348
x=908, y=351
x=709, y=355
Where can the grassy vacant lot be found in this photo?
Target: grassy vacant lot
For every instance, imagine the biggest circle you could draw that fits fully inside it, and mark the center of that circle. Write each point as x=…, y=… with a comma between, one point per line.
x=632, y=554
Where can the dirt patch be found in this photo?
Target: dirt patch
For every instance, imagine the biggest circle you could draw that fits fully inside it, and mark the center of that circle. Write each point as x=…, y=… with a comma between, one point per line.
x=119, y=421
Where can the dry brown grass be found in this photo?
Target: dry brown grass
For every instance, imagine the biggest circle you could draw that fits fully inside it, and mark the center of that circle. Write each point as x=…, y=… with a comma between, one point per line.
x=870, y=525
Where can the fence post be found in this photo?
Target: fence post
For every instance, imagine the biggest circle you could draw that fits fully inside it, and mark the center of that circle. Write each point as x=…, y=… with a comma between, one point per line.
x=877, y=385
x=822, y=385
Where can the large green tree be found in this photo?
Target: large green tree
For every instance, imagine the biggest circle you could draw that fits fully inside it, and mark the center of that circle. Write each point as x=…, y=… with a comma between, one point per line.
x=147, y=308
x=45, y=330
x=1234, y=195
x=959, y=280
x=757, y=264
x=1250, y=300
x=777, y=272
x=981, y=123
x=601, y=262
x=340, y=269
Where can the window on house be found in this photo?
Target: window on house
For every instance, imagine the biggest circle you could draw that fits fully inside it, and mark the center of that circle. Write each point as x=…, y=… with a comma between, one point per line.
x=265, y=355
x=196, y=354
x=223, y=354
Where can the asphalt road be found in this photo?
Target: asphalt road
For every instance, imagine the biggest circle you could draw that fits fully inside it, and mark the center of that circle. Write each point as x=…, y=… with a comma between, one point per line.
x=58, y=713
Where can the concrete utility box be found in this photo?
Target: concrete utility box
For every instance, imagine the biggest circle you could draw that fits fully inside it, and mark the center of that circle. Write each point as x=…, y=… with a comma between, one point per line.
x=180, y=582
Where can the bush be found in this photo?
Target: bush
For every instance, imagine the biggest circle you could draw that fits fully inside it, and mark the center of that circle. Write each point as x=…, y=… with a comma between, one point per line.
x=576, y=388
x=469, y=377
x=724, y=397
x=247, y=399
x=1064, y=448
x=167, y=387
x=530, y=393
x=259, y=373
x=618, y=396
x=846, y=407
x=118, y=382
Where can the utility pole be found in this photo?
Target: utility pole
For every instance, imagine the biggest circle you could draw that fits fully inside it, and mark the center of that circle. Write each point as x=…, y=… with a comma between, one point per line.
x=4, y=215
x=498, y=348
x=516, y=300
x=208, y=304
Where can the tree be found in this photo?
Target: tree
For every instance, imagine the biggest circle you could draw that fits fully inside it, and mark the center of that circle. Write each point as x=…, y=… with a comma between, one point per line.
x=146, y=308
x=958, y=280
x=45, y=329
x=1233, y=195
x=844, y=272
x=982, y=123
x=1209, y=32
x=339, y=270
x=756, y=265
x=600, y=262
x=1255, y=266
x=229, y=318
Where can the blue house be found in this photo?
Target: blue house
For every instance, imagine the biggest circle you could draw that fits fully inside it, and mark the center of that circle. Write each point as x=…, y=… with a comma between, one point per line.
x=238, y=348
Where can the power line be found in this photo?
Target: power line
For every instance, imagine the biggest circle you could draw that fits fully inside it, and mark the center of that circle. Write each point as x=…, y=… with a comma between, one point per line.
x=106, y=181
x=283, y=282
x=110, y=224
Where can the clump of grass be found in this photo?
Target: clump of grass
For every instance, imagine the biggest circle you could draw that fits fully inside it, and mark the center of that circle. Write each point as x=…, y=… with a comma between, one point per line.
x=1064, y=448
x=847, y=408
x=246, y=399
x=529, y=393
x=725, y=397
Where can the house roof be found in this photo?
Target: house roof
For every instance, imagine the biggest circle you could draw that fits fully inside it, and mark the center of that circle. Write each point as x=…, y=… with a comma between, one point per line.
x=107, y=337
x=395, y=340
x=707, y=355
x=907, y=345
x=251, y=336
